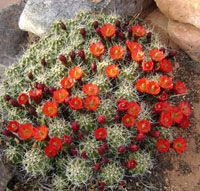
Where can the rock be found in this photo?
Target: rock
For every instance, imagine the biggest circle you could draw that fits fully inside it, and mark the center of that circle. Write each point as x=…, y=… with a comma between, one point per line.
x=187, y=37
x=5, y=176
x=159, y=22
x=11, y=37
x=187, y=11
x=38, y=15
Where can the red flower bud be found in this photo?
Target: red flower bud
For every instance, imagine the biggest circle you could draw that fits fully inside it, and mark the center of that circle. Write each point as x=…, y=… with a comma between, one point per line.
x=67, y=139
x=121, y=149
x=75, y=126
x=105, y=160
x=117, y=23
x=84, y=155
x=96, y=166
x=63, y=59
x=43, y=62
x=81, y=54
x=101, y=119
x=72, y=55
x=155, y=134
x=93, y=67
x=133, y=148
x=95, y=24
x=7, y=97
x=140, y=137
x=83, y=32
x=74, y=151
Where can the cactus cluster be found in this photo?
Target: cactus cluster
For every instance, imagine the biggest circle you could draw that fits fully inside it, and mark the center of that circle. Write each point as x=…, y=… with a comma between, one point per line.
x=90, y=103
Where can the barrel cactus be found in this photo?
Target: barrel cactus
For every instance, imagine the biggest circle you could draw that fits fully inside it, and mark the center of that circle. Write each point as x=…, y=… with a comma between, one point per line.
x=90, y=102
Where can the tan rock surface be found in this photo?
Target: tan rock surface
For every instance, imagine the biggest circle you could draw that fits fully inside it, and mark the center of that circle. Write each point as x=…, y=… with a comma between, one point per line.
x=186, y=11
x=187, y=37
x=159, y=22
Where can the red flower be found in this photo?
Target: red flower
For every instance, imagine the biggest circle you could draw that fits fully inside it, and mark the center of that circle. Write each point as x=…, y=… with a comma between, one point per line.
x=158, y=107
x=92, y=102
x=153, y=88
x=116, y=52
x=23, y=99
x=166, y=119
x=185, y=123
x=143, y=126
x=67, y=83
x=50, y=151
x=60, y=95
x=137, y=55
x=185, y=108
x=75, y=103
x=112, y=71
x=128, y=120
x=163, y=145
x=90, y=89
x=166, y=82
x=147, y=66
x=122, y=105
x=156, y=55
x=131, y=164
x=141, y=85
x=76, y=73
x=133, y=109
x=163, y=96
x=50, y=109
x=108, y=30
x=41, y=133
x=179, y=145
x=97, y=49
x=13, y=126
x=180, y=87
x=25, y=131
x=138, y=31
x=176, y=115
x=165, y=66
x=55, y=143
x=100, y=134
x=133, y=45
x=35, y=94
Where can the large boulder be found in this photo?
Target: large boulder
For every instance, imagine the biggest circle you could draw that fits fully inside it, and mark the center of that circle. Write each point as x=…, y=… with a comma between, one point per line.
x=39, y=14
x=187, y=37
x=185, y=11
x=11, y=37
x=159, y=23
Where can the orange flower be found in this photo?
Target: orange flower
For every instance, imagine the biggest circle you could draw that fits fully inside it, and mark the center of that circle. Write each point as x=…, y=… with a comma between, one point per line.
x=108, y=30
x=147, y=66
x=116, y=52
x=13, y=126
x=165, y=66
x=97, y=49
x=23, y=99
x=141, y=85
x=137, y=55
x=76, y=73
x=128, y=120
x=133, y=45
x=143, y=126
x=25, y=131
x=180, y=87
x=41, y=133
x=112, y=71
x=67, y=83
x=153, y=88
x=35, y=94
x=50, y=109
x=179, y=145
x=138, y=31
x=156, y=55
x=92, y=102
x=133, y=109
x=166, y=82
x=60, y=95
x=90, y=89
x=76, y=103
